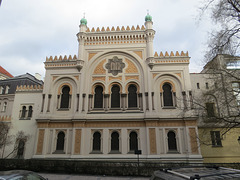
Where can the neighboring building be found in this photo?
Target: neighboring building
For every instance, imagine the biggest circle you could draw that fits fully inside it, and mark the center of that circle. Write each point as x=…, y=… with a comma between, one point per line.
x=7, y=97
x=115, y=97
x=216, y=95
x=4, y=74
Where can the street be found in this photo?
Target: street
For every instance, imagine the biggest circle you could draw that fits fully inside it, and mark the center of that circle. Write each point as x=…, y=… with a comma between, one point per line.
x=88, y=177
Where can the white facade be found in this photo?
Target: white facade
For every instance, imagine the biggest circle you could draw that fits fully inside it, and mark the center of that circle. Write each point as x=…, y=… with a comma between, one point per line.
x=86, y=109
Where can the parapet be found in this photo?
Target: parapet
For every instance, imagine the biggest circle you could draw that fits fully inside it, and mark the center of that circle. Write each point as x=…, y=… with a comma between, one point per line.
x=113, y=29
x=177, y=54
x=29, y=88
x=61, y=58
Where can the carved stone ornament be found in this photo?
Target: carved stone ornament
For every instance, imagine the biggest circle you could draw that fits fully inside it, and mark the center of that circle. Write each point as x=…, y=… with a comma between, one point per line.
x=115, y=65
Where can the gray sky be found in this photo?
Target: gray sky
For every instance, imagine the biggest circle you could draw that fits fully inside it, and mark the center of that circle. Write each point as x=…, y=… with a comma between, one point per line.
x=30, y=30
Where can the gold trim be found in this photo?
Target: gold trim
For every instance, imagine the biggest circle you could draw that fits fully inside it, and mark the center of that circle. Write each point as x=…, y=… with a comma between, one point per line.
x=131, y=67
x=65, y=84
x=40, y=141
x=170, y=82
x=154, y=75
x=139, y=53
x=98, y=78
x=131, y=77
x=115, y=78
x=100, y=69
x=152, y=140
x=90, y=55
x=77, y=145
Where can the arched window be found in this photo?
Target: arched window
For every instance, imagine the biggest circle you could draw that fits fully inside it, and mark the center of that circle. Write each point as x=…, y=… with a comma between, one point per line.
x=96, y=141
x=65, y=97
x=172, y=143
x=60, y=141
x=98, y=97
x=115, y=141
x=133, y=141
x=132, y=96
x=30, y=111
x=20, y=149
x=115, y=97
x=4, y=106
x=167, y=95
x=24, y=110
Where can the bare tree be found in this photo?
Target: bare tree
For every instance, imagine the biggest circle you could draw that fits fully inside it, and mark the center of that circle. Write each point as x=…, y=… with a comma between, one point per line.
x=5, y=139
x=224, y=39
x=19, y=140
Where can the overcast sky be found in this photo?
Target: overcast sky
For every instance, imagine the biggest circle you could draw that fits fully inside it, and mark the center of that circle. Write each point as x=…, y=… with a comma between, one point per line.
x=30, y=30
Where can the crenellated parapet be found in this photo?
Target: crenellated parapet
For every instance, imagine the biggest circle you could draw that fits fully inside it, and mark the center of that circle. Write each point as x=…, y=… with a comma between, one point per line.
x=29, y=88
x=169, y=58
x=61, y=58
x=123, y=35
x=63, y=62
x=117, y=29
x=177, y=54
x=5, y=118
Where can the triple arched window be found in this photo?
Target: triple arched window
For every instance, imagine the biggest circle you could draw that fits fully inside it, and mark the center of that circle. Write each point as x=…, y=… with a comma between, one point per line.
x=115, y=99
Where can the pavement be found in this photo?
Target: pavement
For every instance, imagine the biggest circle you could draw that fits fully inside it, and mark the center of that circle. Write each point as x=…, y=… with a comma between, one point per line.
x=88, y=177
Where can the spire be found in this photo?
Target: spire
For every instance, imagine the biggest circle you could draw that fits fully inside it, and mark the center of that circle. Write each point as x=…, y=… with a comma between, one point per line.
x=83, y=21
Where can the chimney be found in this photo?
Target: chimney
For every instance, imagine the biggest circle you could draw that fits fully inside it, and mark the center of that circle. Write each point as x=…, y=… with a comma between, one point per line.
x=38, y=76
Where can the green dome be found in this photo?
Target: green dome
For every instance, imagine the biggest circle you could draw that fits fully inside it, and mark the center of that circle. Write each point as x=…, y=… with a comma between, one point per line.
x=148, y=18
x=83, y=21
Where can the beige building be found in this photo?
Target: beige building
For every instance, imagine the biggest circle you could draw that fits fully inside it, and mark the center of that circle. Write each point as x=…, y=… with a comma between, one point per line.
x=216, y=99
x=116, y=96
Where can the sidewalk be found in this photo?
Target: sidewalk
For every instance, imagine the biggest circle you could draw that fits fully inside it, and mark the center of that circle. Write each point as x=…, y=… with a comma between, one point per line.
x=86, y=177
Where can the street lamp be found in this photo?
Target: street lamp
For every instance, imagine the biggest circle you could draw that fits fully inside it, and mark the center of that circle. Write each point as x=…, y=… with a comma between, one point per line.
x=239, y=139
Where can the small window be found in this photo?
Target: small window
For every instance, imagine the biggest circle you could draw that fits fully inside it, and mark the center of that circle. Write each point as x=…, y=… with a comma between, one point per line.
x=6, y=90
x=172, y=143
x=1, y=90
x=115, y=141
x=4, y=107
x=210, y=107
x=96, y=141
x=24, y=110
x=30, y=111
x=133, y=141
x=60, y=141
x=198, y=86
x=20, y=149
x=216, y=138
x=207, y=86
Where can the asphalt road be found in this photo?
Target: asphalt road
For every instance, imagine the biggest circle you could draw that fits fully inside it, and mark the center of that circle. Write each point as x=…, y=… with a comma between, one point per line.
x=86, y=177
